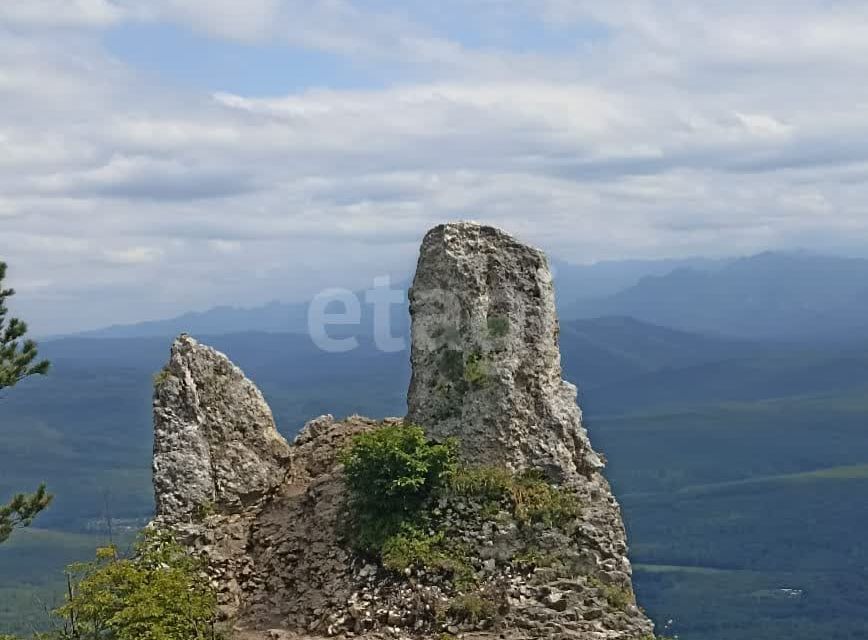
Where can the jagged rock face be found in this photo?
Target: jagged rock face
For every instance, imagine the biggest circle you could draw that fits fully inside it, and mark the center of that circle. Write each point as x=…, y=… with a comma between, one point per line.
x=270, y=518
x=215, y=443
x=485, y=354
x=280, y=563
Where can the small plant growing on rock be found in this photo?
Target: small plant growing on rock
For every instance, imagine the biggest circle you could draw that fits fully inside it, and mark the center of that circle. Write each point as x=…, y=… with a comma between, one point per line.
x=472, y=608
x=491, y=483
x=476, y=370
x=411, y=547
x=617, y=597
x=204, y=510
x=536, y=500
x=532, y=498
x=414, y=548
x=161, y=376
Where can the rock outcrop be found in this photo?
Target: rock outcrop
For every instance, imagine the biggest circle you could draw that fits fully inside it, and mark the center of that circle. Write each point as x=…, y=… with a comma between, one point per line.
x=271, y=520
x=485, y=354
x=216, y=447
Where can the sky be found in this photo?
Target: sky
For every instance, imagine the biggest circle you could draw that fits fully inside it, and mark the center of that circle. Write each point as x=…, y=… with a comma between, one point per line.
x=160, y=156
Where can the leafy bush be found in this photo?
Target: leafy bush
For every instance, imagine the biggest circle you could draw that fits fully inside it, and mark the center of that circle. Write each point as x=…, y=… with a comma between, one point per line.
x=391, y=474
x=410, y=548
x=160, y=594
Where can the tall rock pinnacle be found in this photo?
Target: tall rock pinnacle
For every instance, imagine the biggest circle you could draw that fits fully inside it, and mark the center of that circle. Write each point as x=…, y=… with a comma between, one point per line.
x=485, y=354
x=215, y=443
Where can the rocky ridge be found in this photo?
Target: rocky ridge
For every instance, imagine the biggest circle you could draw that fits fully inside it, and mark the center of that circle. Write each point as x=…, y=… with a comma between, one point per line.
x=270, y=518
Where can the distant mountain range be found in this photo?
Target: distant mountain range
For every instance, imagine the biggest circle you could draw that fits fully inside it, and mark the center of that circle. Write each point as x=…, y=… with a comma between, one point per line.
x=770, y=296
x=573, y=281
x=794, y=297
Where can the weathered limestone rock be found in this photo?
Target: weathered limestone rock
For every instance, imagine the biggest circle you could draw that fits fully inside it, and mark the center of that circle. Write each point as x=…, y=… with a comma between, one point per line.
x=270, y=518
x=486, y=360
x=215, y=443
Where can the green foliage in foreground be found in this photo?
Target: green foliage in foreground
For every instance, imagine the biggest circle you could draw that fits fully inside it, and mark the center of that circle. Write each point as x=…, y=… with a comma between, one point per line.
x=21, y=511
x=18, y=358
x=159, y=594
x=18, y=361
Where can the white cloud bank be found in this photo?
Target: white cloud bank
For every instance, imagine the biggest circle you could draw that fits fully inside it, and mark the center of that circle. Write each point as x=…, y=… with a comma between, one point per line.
x=651, y=129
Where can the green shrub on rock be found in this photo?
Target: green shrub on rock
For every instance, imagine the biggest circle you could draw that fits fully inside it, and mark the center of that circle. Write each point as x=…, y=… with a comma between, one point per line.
x=391, y=473
x=409, y=548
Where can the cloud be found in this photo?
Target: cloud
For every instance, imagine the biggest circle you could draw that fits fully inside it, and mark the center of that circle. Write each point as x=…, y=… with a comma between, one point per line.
x=597, y=130
x=132, y=255
x=151, y=179
x=248, y=20
x=60, y=13
x=225, y=246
